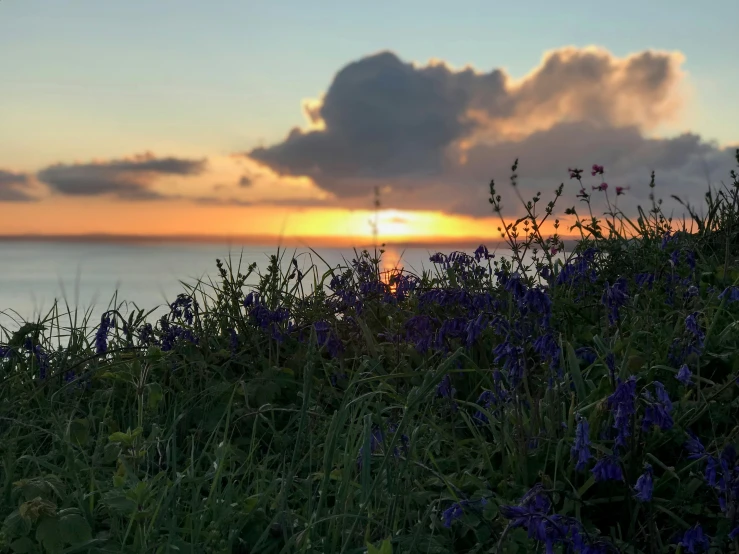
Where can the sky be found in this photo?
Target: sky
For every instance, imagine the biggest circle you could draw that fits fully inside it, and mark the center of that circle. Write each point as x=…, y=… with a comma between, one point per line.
x=281, y=118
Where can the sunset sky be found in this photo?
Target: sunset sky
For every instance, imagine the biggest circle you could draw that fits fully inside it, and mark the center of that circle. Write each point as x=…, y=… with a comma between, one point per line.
x=269, y=118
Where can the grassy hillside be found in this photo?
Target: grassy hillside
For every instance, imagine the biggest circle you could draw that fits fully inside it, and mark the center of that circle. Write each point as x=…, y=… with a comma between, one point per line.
x=490, y=405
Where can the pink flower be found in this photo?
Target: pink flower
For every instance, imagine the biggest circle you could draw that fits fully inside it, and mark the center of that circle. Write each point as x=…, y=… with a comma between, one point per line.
x=620, y=190
x=597, y=169
x=602, y=186
x=554, y=251
x=574, y=173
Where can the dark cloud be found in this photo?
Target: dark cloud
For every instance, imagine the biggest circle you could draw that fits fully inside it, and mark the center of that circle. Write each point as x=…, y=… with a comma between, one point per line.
x=128, y=179
x=436, y=136
x=13, y=187
x=245, y=181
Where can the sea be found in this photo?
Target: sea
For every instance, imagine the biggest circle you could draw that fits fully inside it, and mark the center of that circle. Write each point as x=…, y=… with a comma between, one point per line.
x=84, y=279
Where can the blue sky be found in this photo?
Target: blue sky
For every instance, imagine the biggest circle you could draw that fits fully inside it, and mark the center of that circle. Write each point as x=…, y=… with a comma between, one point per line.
x=90, y=80
x=226, y=74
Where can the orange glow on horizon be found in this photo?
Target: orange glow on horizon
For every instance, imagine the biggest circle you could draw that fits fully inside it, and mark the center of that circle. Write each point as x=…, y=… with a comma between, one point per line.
x=76, y=216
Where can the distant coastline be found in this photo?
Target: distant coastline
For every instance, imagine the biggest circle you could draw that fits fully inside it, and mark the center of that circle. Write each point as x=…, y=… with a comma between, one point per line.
x=259, y=240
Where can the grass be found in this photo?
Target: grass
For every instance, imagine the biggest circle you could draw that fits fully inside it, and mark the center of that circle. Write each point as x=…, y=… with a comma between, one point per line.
x=527, y=404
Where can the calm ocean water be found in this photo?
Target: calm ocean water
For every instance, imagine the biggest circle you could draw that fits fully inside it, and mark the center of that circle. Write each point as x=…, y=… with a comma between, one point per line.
x=35, y=274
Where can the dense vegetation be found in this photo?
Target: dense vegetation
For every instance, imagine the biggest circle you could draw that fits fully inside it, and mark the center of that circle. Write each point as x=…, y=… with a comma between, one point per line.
x=584, y=403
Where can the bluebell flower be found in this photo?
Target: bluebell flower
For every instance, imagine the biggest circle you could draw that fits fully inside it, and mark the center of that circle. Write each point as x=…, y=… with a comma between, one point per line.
x=608, y=469
x=711, y=472
x=645, y=485
x=445, y=388
x=731, y=293
x=615, y=297
x=690, y=259
x=419, y=331
x=581, y=449
x=482, y=252
x=644, y=279
x=183, y=307
x=684, y=375
x=694, y=540
x=586, y=354
x=101, y=336
x=693, y=327
x=658, y=412
x=693, y=446
x=42, y=359
x=456, y=511
x=146, y=335
x=623, y=404
x=512, y=358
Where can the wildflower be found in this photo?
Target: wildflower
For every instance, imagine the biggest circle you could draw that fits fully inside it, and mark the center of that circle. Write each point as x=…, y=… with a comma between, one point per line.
x=445, y=388
x=101, y=336
x=183, y=307
x=692, y=326
x=731, y=294
x=684, y=375
x=711, y=473
x=644, y=279
x=608, y=469
x=694, y=540
x=575, y=173
x=601, y=187
x=455, y=511
x=418, y=330
x=694, y=447
x=482, y=252
x=658, y=413
x=614, y=297
x=580, y=450
x=586, y=354
x=620, y=190
x=597, y=170
x=690, y=259
x=623, y=403
x=645, y=485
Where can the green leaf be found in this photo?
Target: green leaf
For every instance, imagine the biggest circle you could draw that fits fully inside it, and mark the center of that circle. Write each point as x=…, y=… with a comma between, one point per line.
x=49, y=535
x=573, y=364
x=79, y=432
x=24, y=545
x=156, y=394
x=74, y=529
x=385, y=548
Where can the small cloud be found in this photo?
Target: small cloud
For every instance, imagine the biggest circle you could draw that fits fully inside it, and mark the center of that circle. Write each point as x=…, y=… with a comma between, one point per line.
x=245, y=181
x=129, y=179
x=13, y=187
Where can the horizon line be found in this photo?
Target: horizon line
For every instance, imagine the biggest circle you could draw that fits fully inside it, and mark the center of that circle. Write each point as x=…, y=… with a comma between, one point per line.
x=255, y=240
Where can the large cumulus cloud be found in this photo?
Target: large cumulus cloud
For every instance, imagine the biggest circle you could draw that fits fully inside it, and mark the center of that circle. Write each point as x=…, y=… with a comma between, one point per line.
x=126, y=178
x=434, y=136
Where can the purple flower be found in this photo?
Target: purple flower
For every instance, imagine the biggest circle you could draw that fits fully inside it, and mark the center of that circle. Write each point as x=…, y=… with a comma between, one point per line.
x=445, y=388
x=456, y=511
x=693, y=327
x=731, y=294
x=694, y=540
x=586, y=354
x=614, y=297
x=580, y=450
x=623, y=404
x=684, y=375
x=645, y=485
x=694, y=447
x=101, y=336
x=608, y=469
x=658, y=412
